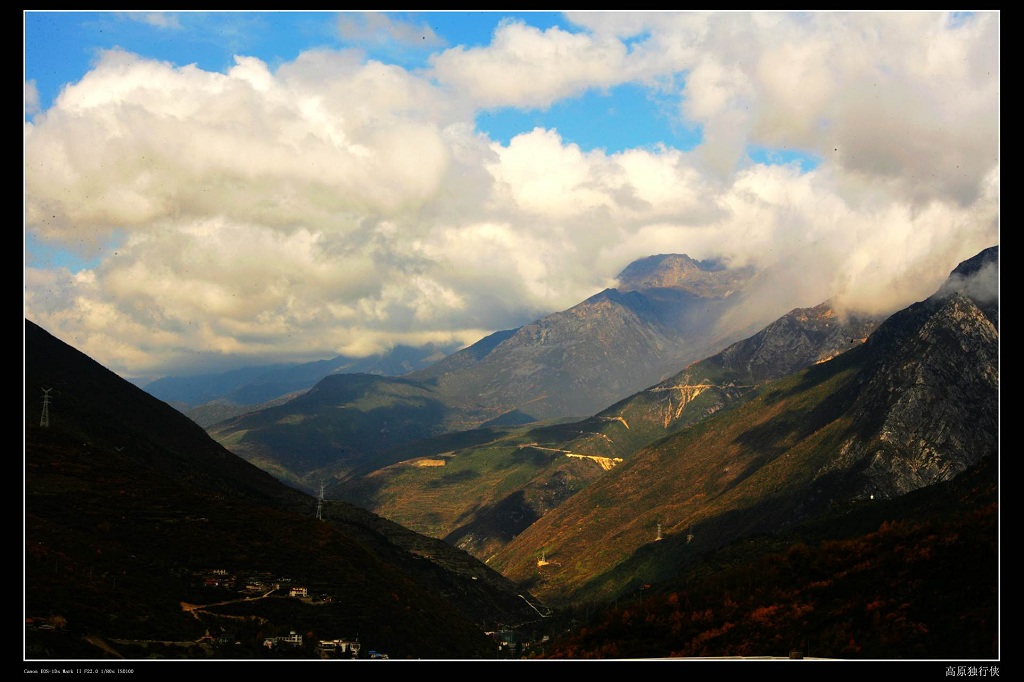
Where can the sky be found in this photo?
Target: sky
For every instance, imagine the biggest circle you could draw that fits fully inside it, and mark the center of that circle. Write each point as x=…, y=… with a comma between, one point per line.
x=210, y=190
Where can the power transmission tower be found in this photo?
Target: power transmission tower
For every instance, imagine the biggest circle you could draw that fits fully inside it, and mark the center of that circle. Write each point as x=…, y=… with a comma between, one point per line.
x=44, y=421
x=320, y=503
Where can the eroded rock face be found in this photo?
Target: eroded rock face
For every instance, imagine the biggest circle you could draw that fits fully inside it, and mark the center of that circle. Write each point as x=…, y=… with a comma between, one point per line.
x=929, y=408
x=800, y=338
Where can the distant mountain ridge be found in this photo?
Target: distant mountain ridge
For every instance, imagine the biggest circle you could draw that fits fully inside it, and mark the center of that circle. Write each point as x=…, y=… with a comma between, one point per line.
x=212, y=397
x=706, y=279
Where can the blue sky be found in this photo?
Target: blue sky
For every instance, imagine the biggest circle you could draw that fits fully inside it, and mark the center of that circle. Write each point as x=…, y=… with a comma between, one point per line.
x=217, y=188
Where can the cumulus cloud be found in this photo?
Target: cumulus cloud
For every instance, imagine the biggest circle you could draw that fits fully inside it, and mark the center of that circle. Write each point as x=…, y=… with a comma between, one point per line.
x=527, y=67
x=335, y=204
x=136, y=142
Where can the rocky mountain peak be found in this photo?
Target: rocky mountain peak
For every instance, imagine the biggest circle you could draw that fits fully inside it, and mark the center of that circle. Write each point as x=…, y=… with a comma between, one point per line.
x=978, y=278
x=706, y=278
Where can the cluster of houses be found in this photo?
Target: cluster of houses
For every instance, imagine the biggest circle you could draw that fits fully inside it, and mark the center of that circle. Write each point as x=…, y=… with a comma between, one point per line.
x=259, y=582
x=291, y=639
x=338, y=648
x=262, y=582
x=326, y=648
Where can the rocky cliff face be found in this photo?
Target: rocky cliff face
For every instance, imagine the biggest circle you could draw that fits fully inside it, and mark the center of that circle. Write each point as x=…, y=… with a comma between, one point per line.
x=929, y=407
x=800, y=338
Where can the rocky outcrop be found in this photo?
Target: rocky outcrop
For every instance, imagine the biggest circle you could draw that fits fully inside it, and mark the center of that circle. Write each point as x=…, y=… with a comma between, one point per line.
x=929, y=407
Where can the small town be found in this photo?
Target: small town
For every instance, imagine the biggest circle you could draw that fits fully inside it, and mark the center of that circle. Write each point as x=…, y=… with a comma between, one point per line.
x=224, y=587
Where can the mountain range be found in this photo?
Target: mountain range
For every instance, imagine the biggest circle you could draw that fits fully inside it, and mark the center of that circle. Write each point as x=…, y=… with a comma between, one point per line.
x=479, y=490
x=829, y=482
x=497, y=489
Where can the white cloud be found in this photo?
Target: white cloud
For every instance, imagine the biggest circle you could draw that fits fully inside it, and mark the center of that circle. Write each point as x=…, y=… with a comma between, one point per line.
x=527, y=67
x=335, y=204
x=137, y=142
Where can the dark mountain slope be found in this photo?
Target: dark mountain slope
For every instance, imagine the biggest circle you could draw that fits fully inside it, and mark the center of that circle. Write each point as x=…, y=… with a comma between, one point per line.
x=128, y=504
x=916, y=577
